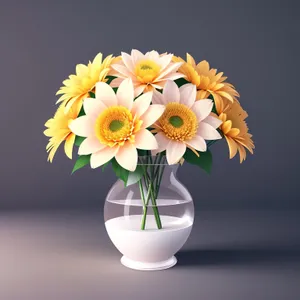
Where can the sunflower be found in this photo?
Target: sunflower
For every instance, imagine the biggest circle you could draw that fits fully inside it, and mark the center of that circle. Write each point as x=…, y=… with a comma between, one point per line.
x=78, y=86
x=235, y=130
x=208, y=81
x=58, y=131
x=148, y=71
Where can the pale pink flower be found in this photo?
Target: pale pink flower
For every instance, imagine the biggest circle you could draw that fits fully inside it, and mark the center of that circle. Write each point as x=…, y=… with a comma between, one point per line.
x=148, y=71
x=185, y=121
x=116, y=126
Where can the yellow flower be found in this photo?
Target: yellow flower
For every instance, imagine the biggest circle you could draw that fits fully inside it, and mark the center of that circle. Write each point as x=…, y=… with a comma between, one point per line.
x=208, y=82
x=78, y=86
x=235, y=130
x=58, y=131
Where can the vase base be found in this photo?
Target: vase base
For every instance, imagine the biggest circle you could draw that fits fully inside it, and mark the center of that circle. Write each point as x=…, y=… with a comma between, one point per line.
x=136, y=265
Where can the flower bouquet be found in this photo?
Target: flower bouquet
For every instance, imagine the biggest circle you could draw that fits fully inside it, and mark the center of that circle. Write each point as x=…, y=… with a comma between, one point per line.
x=146, y=114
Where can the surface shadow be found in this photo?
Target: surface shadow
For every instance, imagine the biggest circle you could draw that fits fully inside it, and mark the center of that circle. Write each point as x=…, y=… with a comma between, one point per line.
x=238, y=256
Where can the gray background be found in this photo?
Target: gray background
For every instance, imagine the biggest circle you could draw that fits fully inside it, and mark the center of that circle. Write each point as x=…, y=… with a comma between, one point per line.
x=256, y=44
x=245, y=244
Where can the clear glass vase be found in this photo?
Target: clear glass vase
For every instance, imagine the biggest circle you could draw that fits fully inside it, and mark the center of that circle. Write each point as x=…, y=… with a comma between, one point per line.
x=150, y=220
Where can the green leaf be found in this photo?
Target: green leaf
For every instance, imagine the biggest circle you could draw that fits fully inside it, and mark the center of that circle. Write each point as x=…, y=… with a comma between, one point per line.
x=105, y=165
x=110, y=79
x=81, y=161
x=204, y=161
x=81, y=113
x=79, y=140
x=120, y=172
x=181, y=81
x=126, y=176
x=134, y=177
x=115, y=89
x=211, y=97
x=92, y=95
x=143, y=152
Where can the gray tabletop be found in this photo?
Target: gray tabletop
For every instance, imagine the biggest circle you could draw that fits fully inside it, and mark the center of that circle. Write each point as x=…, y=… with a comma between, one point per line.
x=230, y=255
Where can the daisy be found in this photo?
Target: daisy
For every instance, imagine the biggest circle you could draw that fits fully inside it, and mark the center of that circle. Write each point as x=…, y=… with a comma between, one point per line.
x=235, y=130
x=208, y=81
x=59, y=131
x=78, y=86
x=185, y=123
x=116, y=126
x=148, y=71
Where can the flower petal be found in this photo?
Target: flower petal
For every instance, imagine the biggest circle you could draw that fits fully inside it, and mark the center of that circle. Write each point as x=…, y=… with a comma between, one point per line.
x=141, y=104
x=175, y=150
x=226, y=127
x=69, y=143
x=202, y=108
x=125, y=93
x=198, y=143
x=136, y=56
x=106, y=94
x=122, y=70
x=242, y=153
x=138, y=89
x=103, y=156
x=82, y=126
x=157, y=97
x=127, y=60
x=152, y=114
x=127, y=156
x=72, y=101
x=116, y=82
x=145, y=140
x=93, y=106
x=162, y=142
x=188, y=94
x=213, y=121
x=172, y=76
x=232, y=146
x=233, y=132
x=90, y=145
x=171, y=92
x=170, y=69
x=190, y=60
x=208, y=132
x=165, y=60
x=152, y=55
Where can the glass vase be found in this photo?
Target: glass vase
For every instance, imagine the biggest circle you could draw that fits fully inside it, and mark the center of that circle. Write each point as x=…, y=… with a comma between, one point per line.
x=150, y=220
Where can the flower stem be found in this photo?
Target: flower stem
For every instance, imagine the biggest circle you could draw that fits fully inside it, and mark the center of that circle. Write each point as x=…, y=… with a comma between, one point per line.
x=151, y=179
x=145, y=204
x=154, y=195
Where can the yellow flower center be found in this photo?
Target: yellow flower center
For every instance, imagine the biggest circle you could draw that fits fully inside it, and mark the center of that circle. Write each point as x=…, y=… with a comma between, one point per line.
x=178, y=122
x=147, y=70
x=115, y=125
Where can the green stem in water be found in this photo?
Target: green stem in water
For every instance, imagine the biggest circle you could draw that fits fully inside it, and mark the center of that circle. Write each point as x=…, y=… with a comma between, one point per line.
x=154, y=195
x=145, y=206
x=151, y=180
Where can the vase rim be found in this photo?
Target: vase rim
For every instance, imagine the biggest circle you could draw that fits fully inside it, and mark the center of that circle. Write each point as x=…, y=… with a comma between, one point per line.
x=152, y=160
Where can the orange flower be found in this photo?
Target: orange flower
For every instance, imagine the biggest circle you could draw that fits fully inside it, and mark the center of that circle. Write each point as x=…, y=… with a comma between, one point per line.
x=235, y=130
x=208, y=82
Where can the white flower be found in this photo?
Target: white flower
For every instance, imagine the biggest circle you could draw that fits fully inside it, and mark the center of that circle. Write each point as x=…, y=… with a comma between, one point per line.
x=148, y=71
x=115, y=125
x=185, y=121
